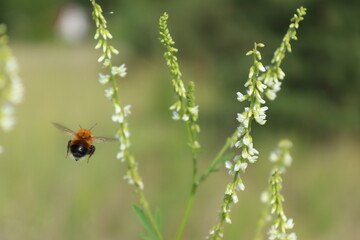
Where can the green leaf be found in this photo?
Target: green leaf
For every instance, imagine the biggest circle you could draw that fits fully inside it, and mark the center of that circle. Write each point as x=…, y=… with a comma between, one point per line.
x=145, y=222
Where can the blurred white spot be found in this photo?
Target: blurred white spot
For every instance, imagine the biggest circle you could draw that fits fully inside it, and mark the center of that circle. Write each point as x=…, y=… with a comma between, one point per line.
x=72, y=23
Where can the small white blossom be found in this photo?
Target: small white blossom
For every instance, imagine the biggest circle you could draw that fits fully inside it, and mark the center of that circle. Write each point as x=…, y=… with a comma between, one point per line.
x=185, y=117
x=140, y=184
x=109, y=93
x=127, y=111
x=175, y=115
x=243, y=166
x=238, y=144
x=194, y=110
x=120, y=71
x=235, y=198
x=117, y=118
x=252, y=159
x=241, y=117
x=103, y=79
x=7, y=120
x=227, y=220
x=240, y=97
x=228, y=165
x=261, y=67
x=290, y=223
x=247, y=139
x=176, y=106
x=240, y=186
x=292, y=236
x=271, y=94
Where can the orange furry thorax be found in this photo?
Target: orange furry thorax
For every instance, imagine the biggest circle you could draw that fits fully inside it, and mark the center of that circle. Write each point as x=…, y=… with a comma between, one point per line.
x=83, y=136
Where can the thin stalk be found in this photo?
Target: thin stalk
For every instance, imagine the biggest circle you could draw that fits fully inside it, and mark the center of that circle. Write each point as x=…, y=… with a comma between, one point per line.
x=194, y=186
x=220, y=154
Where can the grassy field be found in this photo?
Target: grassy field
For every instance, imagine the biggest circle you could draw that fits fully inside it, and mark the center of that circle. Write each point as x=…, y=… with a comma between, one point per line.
x=45, y=196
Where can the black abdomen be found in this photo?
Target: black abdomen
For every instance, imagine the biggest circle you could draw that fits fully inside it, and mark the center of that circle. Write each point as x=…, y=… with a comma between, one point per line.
x=78, y=151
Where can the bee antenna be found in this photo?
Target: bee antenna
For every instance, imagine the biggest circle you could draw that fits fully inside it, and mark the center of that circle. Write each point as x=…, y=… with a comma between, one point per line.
x=80, y=126
x=93, y=126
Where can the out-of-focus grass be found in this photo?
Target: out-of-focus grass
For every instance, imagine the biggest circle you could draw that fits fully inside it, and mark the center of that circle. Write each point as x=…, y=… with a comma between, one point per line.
x=45, y=196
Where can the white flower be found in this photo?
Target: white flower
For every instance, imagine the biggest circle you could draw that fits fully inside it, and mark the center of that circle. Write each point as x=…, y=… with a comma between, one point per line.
x=185, y=117
x=243, y=166
x=252, y=159
x=240, y=97
x=238, y=144
x=194, y=110
x=237, y=166
x=140, y=184
x=7, y=120
x=228, y=165
x=17, y=90
x=176, y=106
x=234, y=198
x=259, y=98
x=117, y=118
x=120, y=71
x=175, y=115
x=103, y=79
x=292, y=236
x=260, y=86
x=109, y=93
x=290, y=223
x=241, y=130
x=247, y=140
x=271, y=94
x=241, y=117
x=229, y=189
x=120, y=156
x=261, y=67
x=240, y=186
x=127, y=111
x=259, y=114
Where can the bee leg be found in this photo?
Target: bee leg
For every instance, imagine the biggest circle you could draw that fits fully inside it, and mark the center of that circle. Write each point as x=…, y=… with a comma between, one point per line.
x=91, y=151
x=68, y=147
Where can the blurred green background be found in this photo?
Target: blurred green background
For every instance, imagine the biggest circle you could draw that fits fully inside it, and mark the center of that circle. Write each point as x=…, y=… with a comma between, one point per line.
x=45, y=196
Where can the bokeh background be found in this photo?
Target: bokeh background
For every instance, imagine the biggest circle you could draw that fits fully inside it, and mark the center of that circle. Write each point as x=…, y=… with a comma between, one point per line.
x=45, y=196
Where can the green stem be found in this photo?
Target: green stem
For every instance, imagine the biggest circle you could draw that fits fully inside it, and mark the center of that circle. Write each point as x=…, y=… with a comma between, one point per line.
x=194, y=186
x=187, y=212
x=218, y=156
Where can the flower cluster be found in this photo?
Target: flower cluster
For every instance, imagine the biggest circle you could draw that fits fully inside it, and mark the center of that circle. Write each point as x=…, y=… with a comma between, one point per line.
x=242, y=139
x=184, y=108
x=102, y=34
x=281, y=224
x=273, y=200
x=274, y=73
x=11, y=88
x=171, y=61
x=281, y=156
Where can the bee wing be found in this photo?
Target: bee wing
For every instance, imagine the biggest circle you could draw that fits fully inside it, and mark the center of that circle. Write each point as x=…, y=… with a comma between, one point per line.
x=104, y=139
x=63, y=129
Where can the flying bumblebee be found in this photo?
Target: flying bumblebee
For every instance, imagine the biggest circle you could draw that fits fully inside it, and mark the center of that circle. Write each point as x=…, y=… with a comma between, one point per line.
x=81, y=144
